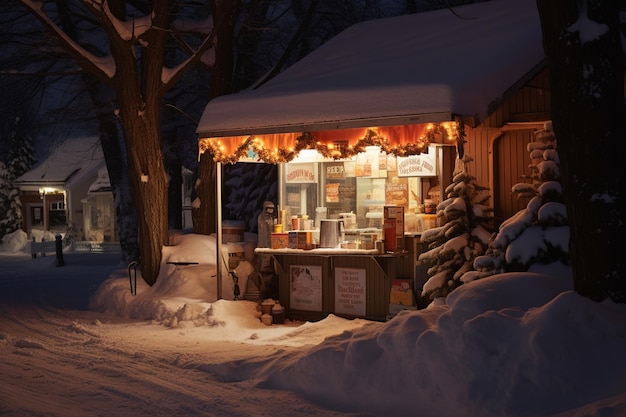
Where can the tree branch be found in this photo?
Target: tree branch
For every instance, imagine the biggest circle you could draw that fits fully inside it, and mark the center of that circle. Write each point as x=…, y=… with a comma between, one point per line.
x=102, y=67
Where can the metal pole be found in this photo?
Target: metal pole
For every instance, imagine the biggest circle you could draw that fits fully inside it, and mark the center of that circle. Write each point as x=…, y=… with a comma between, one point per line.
x=58, y=245
x=218, y=243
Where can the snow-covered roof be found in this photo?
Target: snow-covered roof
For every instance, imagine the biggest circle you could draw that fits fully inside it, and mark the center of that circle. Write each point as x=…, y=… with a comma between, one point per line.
x=70, y=161
x=102, y=183
x=417, y=68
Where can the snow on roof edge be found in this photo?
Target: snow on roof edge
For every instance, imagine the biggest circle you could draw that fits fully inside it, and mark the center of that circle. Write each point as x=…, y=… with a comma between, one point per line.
x=324, y=86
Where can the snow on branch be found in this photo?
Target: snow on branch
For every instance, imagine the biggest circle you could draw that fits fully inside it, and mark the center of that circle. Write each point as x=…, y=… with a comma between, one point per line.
x=127, y=30
x=100, y=65
x=205, y=53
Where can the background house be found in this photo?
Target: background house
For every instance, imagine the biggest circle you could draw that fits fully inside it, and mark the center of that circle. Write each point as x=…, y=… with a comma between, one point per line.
x=99, y=210
x=69, y=188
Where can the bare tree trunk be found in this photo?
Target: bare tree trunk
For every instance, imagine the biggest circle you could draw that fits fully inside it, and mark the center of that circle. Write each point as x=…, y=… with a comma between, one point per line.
x=205, y=216
x=125, y=214
x=583, y=47
x=148, y=183
x=109, y=140
x=175, y=194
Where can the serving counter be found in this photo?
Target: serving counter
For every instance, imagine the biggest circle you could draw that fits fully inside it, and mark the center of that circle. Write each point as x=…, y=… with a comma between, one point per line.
x=350, y=283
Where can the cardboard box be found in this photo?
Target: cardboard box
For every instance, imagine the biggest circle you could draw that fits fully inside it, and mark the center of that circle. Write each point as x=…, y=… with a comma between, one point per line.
x=293, y=240
x=393, y=228
x=304, y=240
x=401, y=292
x=280, y=240
x=300, y=240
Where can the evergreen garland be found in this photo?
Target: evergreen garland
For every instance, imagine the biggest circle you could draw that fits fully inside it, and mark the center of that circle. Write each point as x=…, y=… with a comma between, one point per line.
x=308, y=141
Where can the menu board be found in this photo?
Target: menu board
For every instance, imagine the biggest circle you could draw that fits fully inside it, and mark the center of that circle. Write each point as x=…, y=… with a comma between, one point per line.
x=340, y=192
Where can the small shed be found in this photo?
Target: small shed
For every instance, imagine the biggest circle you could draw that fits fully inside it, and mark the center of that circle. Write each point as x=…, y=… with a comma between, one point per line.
x=388, y=82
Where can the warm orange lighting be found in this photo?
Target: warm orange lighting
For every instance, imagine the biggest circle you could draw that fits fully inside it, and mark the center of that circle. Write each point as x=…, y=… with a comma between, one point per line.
x=395, y=140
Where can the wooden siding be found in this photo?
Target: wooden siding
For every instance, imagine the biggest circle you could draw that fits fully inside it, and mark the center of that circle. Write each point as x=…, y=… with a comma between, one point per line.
x=511, y=161
x=380, y=271
x=500, y=155
x=527, y=103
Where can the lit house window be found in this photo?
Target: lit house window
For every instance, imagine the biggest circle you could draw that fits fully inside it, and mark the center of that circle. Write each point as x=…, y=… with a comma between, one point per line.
x=57, y=214
x=57, y=205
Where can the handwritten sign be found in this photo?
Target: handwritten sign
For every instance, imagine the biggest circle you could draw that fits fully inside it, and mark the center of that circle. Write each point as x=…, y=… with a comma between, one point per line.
x=350, y=291
x=422, y=165
x=335, y=171
x=300, y=173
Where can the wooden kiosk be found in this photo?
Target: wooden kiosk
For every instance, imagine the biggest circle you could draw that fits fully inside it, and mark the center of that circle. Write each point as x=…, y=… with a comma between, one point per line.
x=347, y=108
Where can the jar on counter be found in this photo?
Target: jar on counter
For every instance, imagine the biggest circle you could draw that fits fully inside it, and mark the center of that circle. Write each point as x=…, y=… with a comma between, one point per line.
x=430, y=206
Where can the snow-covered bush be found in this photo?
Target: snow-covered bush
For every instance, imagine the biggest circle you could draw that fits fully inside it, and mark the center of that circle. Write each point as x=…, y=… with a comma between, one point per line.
x=14, y=242
x=465, y=233
x=538, y=234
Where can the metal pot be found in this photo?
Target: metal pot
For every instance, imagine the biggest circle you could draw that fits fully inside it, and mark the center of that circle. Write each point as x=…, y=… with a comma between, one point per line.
x=331, y=233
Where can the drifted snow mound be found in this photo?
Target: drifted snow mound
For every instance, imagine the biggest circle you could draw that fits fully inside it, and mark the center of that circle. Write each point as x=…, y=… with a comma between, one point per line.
x=183, y=295
x=14, y=242
x=503, y=345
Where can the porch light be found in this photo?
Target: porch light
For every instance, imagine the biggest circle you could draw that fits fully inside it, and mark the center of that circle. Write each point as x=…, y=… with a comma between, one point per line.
x=46, y=190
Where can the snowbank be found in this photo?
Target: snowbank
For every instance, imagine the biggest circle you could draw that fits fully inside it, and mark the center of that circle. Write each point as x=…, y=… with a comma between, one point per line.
x=14, y=242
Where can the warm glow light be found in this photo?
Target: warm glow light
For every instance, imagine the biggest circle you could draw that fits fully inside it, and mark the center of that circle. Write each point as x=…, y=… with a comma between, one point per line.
x=275, y=148
x=48, y=190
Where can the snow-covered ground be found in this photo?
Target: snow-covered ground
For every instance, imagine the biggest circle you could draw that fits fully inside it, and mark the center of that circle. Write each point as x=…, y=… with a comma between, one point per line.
x=75, y=342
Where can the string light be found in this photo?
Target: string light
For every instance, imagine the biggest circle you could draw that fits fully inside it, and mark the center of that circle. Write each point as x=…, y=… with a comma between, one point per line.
x=308, y=141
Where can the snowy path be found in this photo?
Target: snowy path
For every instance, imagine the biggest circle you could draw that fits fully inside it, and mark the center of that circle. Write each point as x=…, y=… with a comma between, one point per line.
x=55, y=363
x=68, y=361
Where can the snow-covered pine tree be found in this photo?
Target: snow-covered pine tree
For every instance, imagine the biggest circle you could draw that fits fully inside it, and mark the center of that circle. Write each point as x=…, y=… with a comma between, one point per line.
x=246, y=187
x=5, y=187
x=465, y=234
x=538, y=234
x=10, y=205
x=21, y=153
x=19, y=160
